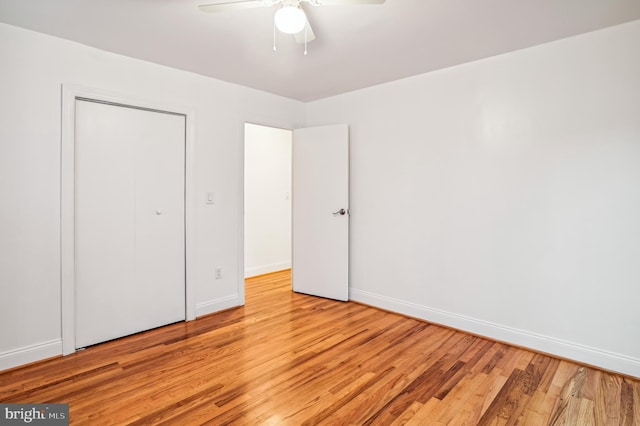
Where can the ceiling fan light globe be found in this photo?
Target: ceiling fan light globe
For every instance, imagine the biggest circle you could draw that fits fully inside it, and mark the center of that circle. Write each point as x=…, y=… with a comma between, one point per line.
x=290, y=19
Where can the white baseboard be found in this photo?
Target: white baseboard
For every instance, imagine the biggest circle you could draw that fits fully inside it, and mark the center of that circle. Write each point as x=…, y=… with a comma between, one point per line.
x=44, y=350
x=217, y=305
x=37, y=352
x=550, y=345
x=266, y=269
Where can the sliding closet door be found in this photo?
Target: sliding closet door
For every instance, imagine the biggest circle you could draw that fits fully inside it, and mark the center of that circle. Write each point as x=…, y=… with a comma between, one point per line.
x=129, y=220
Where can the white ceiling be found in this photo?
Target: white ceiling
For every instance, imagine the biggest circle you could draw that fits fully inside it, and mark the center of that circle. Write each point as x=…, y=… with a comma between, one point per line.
x=356, y=46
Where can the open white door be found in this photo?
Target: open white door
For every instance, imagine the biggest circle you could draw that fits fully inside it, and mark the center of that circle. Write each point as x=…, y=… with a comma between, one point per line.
x=320, y=214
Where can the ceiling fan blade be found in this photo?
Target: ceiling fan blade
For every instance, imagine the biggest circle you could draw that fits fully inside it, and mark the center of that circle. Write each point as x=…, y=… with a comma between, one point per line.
x=342, y=2
x=310, y=36
x=213, y=6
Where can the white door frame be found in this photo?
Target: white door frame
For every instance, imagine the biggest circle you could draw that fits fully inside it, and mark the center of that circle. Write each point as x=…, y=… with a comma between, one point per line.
x=70, y=93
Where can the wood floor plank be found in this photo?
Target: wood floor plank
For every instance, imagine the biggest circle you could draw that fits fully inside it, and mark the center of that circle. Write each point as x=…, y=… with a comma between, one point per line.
x=607, y=403
x=292, y=359
x=636, y=402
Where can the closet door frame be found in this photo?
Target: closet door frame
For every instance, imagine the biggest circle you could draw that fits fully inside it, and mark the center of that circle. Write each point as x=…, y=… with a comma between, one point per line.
x=70, y=93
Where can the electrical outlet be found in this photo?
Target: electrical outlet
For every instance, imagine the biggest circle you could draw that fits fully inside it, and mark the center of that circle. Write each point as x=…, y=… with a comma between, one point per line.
x=218, y=272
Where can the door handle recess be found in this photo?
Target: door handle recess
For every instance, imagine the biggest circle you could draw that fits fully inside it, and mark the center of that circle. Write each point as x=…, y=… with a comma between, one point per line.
x=341, y=212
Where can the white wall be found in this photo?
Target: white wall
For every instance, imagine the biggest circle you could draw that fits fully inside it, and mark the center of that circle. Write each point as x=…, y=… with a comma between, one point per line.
x=267, y=199
x=502, y=196
x=33, y=68
x=499, y=197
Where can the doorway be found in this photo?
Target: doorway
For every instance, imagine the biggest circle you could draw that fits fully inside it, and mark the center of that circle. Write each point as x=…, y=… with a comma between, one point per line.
x=314, y=225
x=267, y=199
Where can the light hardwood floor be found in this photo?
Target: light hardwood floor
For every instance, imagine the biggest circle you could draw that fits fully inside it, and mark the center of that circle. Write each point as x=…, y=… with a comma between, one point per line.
x=292, y=359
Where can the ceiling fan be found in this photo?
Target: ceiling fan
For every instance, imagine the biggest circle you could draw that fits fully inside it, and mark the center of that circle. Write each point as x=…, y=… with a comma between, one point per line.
x=290, y=18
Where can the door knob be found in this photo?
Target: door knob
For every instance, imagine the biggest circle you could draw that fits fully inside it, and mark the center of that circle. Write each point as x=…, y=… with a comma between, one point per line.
x=341, y=212
x=159, y=212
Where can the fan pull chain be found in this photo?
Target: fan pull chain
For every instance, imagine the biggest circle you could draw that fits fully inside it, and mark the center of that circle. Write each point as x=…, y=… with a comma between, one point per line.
x=305, y=39
x=274, y=35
